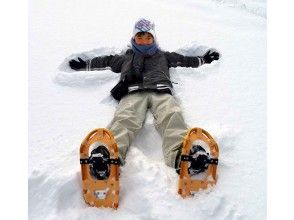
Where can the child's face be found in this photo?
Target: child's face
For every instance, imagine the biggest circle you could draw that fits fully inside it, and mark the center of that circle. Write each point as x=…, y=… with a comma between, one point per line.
x=144, y=39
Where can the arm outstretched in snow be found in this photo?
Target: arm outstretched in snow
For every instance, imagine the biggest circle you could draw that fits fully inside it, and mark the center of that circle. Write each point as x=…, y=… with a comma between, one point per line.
x=175, y=59
x=112, y=61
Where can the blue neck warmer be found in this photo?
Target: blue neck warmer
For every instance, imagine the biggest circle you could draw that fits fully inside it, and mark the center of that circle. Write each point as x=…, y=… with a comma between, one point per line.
x=148, y=50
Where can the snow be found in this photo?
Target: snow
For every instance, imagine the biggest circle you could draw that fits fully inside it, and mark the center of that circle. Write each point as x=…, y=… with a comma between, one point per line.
x=227, y=98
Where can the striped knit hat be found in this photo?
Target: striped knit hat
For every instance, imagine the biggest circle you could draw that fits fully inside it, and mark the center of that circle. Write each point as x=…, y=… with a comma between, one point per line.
x=144, y=25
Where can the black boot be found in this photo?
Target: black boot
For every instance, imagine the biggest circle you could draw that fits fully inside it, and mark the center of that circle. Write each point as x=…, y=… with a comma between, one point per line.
x=99, y=163
x=199, y=160
x=178, y=161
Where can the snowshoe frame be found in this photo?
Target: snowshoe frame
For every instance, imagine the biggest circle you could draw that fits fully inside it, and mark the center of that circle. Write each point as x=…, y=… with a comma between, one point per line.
x=100, y=193
x=187, y=185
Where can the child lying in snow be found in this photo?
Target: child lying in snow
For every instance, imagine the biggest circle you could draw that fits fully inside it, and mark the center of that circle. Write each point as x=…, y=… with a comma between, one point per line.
x=145, y=84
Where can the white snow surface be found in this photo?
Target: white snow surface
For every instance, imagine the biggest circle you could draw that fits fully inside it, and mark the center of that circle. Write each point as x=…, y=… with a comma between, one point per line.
x=227, y=98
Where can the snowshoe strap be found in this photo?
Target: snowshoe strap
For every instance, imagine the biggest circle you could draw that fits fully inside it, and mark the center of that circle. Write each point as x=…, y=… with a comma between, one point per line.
x=189, y=158
x=110, y=161
x=84, y=161
x=213, y=161
x=186, y=158
x=114, y=161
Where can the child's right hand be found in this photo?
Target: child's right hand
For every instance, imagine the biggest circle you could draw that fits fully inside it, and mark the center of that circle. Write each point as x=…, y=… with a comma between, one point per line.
x=77, y=65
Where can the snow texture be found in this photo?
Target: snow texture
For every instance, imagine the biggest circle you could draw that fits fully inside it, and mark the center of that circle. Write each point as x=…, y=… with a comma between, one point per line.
x=226, y=98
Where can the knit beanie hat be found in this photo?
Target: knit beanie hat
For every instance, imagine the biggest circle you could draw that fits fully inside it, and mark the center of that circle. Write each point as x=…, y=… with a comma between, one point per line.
x=144, y=25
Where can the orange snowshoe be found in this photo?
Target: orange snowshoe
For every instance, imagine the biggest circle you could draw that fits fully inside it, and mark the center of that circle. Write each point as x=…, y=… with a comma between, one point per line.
x=100, y=169
x=198, y=162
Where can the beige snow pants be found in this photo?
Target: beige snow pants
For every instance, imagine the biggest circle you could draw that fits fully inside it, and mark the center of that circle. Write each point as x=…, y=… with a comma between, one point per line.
x=168, y=119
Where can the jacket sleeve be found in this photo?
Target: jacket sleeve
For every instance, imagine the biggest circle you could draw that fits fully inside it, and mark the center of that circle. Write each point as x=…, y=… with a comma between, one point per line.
x=113, y=61
x=175, y=59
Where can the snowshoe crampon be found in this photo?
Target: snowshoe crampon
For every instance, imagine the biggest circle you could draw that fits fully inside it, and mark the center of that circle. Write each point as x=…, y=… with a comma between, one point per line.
x=100, y=169
x=192, y=180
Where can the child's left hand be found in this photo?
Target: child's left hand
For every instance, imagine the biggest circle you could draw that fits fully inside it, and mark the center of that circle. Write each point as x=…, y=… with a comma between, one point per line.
x=210, y=56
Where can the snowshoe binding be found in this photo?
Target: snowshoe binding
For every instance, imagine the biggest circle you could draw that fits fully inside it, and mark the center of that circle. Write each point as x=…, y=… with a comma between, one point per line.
x=99, y=163
x=100, y=169
x=198, y=162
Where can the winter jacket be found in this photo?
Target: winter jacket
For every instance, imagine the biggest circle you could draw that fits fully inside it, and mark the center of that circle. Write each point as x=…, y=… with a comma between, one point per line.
x=145, y=73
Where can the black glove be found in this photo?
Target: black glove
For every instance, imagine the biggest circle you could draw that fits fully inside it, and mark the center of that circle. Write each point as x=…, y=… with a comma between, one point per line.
x=77, y=65
x=210, y=56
